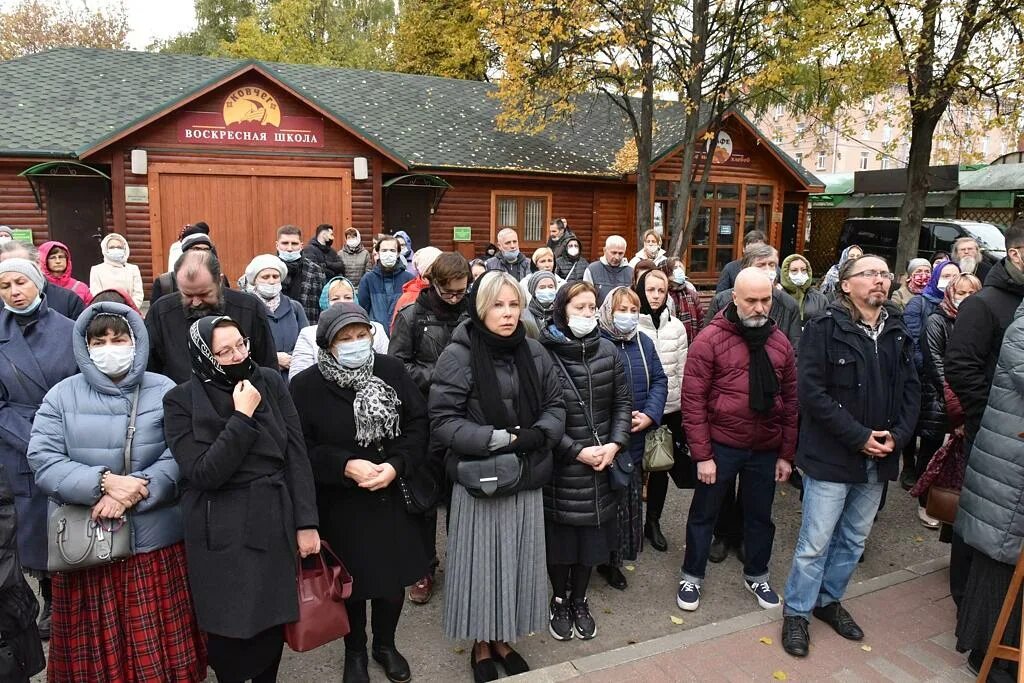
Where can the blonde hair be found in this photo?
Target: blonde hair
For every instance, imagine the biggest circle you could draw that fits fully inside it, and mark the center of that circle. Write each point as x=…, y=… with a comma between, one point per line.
x=648, y=233
x=488, y=289
x=340, y=283
x=621, y=293
x=541, y=252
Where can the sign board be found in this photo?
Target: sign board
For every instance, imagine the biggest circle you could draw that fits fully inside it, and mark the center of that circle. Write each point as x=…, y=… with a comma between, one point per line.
x=22, y=235
x=725, y=154
x=136, y=194
x=251, y=117
x=462, y=233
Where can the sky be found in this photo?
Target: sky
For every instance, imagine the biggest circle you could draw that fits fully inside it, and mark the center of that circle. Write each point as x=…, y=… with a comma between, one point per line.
x=151, y=19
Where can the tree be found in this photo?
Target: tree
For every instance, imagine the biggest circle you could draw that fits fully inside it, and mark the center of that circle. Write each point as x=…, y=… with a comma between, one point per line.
x=441, y=38
x=216, y=22
x=32, y=26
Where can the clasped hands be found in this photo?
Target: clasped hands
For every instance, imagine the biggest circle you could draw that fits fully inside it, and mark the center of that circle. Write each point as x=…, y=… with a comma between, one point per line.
x=122, y=493
x=370, y=475
x=598, y=457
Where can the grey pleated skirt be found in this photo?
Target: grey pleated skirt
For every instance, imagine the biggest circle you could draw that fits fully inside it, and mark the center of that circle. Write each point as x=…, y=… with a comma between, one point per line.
x=496, y=575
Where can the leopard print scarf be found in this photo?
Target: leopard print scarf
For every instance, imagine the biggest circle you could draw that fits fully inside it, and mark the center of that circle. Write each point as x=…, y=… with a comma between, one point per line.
x=376, y=403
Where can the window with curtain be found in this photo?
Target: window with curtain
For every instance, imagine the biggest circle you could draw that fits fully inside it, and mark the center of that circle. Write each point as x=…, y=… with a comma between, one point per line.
x=525, y=214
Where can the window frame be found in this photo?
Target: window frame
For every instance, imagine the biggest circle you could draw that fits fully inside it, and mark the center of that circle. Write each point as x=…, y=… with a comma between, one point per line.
x=820, y=161
x=526, y=246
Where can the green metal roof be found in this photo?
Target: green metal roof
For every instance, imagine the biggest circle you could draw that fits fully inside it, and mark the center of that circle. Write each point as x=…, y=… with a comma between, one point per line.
x=991, y=178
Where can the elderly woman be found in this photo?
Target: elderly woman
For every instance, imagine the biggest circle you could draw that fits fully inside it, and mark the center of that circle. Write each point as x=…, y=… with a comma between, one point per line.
x=115, y=272
x=619, y=319
x=77, y=454
x=919, y=271
x=336, y=290
x=543, y=259
x=579, y=501
x=651, y=250
x=263, y=277
x=247, y=499
x=830, y=282
x=685, y=298
x=541, y=287
x=365, y=424
x=496, y=589
x=796, y=281
x=35, y=343
x=55, y=262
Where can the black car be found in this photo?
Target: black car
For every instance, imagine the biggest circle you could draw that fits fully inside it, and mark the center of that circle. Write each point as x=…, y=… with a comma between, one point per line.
x=878, y=236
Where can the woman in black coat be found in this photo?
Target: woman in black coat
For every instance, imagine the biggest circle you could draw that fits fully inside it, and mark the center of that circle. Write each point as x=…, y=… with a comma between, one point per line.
x=365, y=423
x=579, y=504
x=247, y=499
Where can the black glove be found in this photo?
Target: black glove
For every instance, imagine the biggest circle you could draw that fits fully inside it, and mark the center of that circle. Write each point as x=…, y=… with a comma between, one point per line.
x=528, y=439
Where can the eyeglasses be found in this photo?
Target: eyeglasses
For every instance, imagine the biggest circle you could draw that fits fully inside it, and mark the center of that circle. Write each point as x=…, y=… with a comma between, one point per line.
x=241, y=348
x=872, y=274
x=450, y=294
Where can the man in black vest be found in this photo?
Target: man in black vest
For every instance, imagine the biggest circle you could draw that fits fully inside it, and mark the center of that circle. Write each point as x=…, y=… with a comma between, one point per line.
x=611, y=270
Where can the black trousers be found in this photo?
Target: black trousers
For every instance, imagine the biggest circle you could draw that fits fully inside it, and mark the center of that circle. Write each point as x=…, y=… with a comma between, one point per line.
x=683, y=473
x=729, y=527
x=385, y=613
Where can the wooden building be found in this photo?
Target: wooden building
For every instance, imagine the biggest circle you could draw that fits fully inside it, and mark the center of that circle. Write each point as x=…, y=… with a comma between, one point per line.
x=95, y=141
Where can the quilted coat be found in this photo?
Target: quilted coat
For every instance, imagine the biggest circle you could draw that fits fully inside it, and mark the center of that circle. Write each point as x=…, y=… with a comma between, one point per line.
x=716, y=394
x=80, y=430
x=671, y=343
x=649, y=385
x=933, y=421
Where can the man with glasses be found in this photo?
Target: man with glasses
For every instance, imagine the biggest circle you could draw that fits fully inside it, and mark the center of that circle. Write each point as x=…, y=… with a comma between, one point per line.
x=859, y=400
x=201, y=292
x=421, y=332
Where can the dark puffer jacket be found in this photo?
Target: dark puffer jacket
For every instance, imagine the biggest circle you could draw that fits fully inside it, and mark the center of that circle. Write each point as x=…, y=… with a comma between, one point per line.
x=325, y=257
x=933, y=423
x=457, y=419
x=578, y=495
x=716, y=394
x=419, y=336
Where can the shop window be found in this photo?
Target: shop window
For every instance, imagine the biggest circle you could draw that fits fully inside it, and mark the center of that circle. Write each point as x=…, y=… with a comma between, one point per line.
x=525, y=213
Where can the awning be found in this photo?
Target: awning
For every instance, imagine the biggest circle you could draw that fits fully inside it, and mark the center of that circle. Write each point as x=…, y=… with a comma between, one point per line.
x=58, y=169
x=895, y=201
x=424, y=181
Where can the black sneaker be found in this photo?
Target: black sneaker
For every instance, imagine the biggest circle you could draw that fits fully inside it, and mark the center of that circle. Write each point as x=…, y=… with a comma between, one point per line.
x=560, y=622
x=44, y=621
x=582, y=621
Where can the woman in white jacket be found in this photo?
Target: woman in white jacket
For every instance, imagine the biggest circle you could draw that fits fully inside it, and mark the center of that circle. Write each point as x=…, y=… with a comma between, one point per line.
x=115, y=272
x=669, y=336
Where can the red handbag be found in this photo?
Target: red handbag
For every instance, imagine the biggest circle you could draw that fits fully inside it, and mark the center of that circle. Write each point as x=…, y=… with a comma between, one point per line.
x=323, y=588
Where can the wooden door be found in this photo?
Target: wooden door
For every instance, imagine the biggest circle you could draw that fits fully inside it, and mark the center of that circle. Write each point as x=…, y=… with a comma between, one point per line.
x=408, y=208
x=74, y=208
x=305, y=202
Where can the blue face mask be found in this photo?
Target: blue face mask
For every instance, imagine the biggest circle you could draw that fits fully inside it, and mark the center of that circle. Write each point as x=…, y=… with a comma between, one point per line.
x=545, y=296
x=625, y=322
x=354, y=354
x=289, y=256
x=510, y=256
x=28, y=309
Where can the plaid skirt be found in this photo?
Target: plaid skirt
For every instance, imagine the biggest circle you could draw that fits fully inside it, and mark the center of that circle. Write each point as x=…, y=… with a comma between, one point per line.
x=126, y=622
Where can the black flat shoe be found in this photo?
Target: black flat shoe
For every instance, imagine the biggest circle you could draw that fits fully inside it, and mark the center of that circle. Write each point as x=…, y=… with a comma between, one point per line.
x=395, y=666
x=796, y=637
x=652, y=532
x=513, y=662
x=356, y=664
x=613, y=575
x=741, y=552
x=836, y=616
x=719, y=550
x=484, y=670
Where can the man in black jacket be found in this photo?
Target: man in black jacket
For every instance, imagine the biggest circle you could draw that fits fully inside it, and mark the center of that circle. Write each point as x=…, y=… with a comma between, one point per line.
x=321, y=252
x=64, y=301
x=859, y=401
x=198, y=278
x=971, y=356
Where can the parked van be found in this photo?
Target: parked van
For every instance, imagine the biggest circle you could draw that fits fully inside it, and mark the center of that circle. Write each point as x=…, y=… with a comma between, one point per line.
x=878, y=236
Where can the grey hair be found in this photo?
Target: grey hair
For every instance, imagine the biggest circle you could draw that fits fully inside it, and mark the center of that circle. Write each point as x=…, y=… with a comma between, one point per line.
x=12, y=246
x=191, y=263
x=615, y=241
x=506, y=232
x=963, y=240
x=757, y=251
x=488, y=289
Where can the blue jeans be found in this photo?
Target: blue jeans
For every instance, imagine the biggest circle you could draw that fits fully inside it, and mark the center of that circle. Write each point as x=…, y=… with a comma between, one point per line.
x=837, y=519
x=756, y=470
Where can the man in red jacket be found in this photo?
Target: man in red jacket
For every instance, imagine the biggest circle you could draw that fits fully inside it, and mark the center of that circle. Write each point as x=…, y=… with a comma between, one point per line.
x=739, y=414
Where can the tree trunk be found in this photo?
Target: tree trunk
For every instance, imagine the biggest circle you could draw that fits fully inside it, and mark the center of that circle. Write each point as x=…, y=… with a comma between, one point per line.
x=922, y=131
x=645, y=143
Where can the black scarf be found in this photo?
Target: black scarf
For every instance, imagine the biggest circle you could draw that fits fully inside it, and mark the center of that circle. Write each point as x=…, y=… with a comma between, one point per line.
x=485, y=348
x=204, y=364
x=430, y=300
x=645, y=306
x=763, y=383
x=293, y=280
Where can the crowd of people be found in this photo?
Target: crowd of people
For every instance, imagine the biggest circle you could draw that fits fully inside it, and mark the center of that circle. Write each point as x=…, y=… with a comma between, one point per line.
x=345, y=396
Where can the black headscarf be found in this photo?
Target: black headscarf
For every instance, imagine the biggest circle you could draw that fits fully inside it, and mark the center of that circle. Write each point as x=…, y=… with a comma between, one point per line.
x=205, y=365
x=645, y=306
x=763, y=383
x=486, y=347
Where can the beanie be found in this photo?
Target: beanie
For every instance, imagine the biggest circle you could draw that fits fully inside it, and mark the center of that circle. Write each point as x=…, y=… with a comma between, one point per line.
x=26, y=268
x=262, y=262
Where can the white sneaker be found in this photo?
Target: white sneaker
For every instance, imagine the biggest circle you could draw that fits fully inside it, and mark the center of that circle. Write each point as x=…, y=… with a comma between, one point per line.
x=927, y=521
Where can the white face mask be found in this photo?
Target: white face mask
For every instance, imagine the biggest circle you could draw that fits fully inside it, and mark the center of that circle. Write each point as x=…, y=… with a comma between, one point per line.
x=799, y=279
x=352, y=242
x=678, y=275
x=289, y=256
x=652, y=249
x=353, y=354
x=113, y=360
x=116, y=254
x=544, y=296
x=388, y=259
x=625, y=322
x=942, y=284
x=581, y=325
x=268, y=291
x=772, y=274
x=572, y=251
x=957, y=302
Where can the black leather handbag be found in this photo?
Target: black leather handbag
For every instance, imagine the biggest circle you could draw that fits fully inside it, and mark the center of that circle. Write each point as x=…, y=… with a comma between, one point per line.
x=490, y=477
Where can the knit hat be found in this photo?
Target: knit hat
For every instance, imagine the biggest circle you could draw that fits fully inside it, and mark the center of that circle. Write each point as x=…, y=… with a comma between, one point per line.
x=335, y=318
x=26, y=268
x=7, y=229
x=424, y=258
x=192, y=240
x=262, y=262
x=916, y=263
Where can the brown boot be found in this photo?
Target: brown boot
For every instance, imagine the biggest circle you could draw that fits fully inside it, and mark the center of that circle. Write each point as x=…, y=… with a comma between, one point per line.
x=422, y=591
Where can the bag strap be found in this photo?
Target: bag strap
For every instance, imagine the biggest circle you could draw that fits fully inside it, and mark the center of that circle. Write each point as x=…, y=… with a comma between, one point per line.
x=643, y=357
x=130, y=435
x=579, y=397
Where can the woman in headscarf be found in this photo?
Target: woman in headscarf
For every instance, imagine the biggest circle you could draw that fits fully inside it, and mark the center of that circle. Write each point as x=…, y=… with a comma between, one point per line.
x=115, y=272
x=579, y=501
x=541, y=287
x=247, y=499
x=130, y=620
x=55, y=262
x=336, y=290
x=405, y=251
x=35, y=354
x=919, y=271
x=618, y=319
x=263, y=278
x=796, y=281
x=684, y=297
x=571, y=265
x=496, y=590
x=669, y=337
x=365, y=424
x=831, y=280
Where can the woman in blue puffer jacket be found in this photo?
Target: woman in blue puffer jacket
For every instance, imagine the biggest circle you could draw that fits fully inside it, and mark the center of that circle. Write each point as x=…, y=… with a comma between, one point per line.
x=129, y=620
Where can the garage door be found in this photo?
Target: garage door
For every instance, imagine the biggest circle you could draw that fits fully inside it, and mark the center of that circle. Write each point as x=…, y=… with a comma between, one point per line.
x=244, y=206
